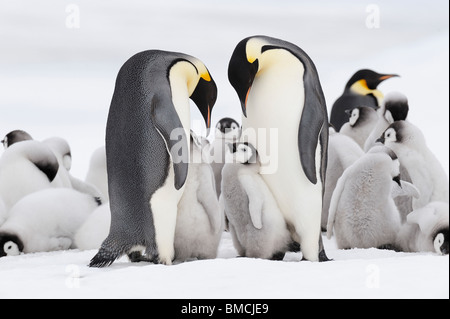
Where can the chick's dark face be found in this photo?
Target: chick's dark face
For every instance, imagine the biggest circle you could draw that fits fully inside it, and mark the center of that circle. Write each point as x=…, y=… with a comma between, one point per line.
x=441, y=243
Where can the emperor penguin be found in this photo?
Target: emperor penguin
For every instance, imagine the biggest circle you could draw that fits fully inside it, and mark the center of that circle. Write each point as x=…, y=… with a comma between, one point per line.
x=45, y=221
x=256, y=224
x=394, y=108
x=26, y=167
x=285, y=118
x=227, y=131
x=97, y=174
x=147, y=151
x=361, y=89
x=424, y=169
x=200, y=222
x=426, y=230
x=362, y=121
x=362, y=212
x=343, y=151
x=14, y=137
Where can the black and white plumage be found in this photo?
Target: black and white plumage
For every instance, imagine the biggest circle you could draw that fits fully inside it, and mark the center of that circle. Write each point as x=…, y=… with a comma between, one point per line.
x=363, y=213
x=256, y=224
x=426, y=230
x=394, y=108
x=424, y=169
x=45, y=221
x=200, y=222
x=360, y=90
x=227, y=131
x=279, y=89
x=147, y=151
x=362, y=121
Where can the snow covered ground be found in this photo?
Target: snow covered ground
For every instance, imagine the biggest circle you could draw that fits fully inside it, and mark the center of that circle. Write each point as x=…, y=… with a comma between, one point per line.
x=58, y=63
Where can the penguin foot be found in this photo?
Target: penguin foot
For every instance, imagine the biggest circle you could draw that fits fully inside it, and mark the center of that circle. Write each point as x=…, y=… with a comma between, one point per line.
x=278, y=256
x=137, y=256
x=103, y=258
x=322, y=257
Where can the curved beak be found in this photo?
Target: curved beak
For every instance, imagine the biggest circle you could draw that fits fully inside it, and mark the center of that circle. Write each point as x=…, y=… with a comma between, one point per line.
x=205, y=96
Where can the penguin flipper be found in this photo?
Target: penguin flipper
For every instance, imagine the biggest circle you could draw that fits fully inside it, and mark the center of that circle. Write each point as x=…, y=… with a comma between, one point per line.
x=206, y=195
x=313, y=125
x=171, y=129
x=255, y=199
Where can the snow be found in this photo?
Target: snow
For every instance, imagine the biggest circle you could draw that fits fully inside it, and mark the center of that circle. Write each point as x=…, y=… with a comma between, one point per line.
x=57, y=80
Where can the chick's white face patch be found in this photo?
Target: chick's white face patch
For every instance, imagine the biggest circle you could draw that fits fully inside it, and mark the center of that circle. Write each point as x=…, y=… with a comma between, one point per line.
x=11, y=249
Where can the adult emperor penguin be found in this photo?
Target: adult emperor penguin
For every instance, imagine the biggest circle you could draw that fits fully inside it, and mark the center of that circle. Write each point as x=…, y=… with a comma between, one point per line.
x=361, y=89
x=147, y=151
x=281, y=96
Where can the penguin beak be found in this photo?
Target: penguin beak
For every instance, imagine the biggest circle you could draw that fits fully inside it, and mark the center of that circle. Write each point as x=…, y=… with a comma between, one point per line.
x=205, y=96
x=381, y=140
x=397, y=180
x=384, y=77
x=348, y=112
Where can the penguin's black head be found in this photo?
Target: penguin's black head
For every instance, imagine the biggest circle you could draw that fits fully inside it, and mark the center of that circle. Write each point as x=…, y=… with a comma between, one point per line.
x=440, y=241
x=10, y=245
x=394, y=133
x=205, y=96
x=242, y=72
x=398, y=107
x=370, y=78
x=14, y=137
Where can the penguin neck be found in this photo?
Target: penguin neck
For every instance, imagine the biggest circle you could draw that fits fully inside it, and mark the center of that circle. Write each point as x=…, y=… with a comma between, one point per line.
x=183, y=78
x=360, y=87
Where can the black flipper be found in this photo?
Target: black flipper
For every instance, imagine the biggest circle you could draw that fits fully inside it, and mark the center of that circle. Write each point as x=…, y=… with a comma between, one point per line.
x=313, y=125
x=169, y=125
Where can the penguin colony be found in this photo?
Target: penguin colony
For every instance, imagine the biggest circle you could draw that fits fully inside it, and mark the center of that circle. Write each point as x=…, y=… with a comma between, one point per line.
x=157, y=192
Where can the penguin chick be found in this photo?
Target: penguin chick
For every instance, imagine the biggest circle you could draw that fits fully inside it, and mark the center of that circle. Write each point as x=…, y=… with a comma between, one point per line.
x=362, y=121
x=199, y=222
x=426, y=230
x=256, y=224
x=45, y=221
x=94, y=230
x=26, y=167
x=362, y=209
x=97, y=174
x=343, y=151
x=361, y=89
x=394, y=108
x=425, y=170
x=227, y=131
x=14, y=137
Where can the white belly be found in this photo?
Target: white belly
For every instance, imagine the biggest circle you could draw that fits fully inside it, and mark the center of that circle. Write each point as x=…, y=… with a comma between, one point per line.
x=274, y=109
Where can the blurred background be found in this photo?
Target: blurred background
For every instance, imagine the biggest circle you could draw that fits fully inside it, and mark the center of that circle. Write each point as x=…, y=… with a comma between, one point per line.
x=59, y=59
